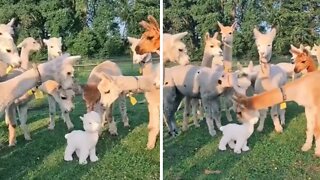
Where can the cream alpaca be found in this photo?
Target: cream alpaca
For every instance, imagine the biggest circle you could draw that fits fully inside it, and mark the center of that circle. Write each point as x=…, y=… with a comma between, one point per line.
x=111, y=87
x=92, y=96
x=315, y=51
x=174, y=49
x=84, y=142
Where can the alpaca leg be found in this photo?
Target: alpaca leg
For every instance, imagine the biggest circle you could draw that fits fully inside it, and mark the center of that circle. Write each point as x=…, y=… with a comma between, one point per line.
x=84, y=153
x=262, y=118
x=153, y=126
x=223, y=143
x=231, y=144
x=238, y=146
x=93, y=156
x=245, y=146
x=23, y=111
x=123, y=111
x=207, y=108
x=275, y=118
x=195, y=106
x=310, y=127
x=52, y=111
x=67, y=120
x=282, y=115
x=186, y=113
x=216, y=113
x=10, y=120
x=112, y=124
x=229, y=107
x=68, y=153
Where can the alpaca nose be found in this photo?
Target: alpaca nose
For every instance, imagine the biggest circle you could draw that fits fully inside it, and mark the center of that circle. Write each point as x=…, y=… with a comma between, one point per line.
x=60, y=53
x=219, y=82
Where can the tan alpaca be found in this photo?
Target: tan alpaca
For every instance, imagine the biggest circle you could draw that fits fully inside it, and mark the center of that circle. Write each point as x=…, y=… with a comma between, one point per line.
x=6, y=30
x=315, y=51
x=174, y=50
x=54, y=46
x=111, y=87
x=269, y=77
x=227, y=39
x=60, y=69
x=92, y=96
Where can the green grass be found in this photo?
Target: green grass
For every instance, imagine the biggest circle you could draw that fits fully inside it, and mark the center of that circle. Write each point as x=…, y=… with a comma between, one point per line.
x=120, y=157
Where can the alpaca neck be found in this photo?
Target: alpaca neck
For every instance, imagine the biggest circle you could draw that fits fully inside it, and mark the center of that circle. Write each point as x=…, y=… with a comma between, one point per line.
x=134, y=83
x=147, y=66
x=312, y=66
x=264, y=76
x=207, y=59
x=227, y=56
x=24, y=58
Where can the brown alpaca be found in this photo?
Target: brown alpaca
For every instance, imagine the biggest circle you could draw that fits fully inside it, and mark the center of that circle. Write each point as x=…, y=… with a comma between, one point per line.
x=303, y=61
x=150, y=39
x=308, y=89
x=91, y=96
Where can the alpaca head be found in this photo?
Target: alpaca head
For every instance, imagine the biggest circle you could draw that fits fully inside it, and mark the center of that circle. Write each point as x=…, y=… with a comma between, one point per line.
x=63, y=71
x=227, y=32
x=174, y=49
x=238, y=81
x=30, y=44
x=150, y=39
x=302, y=61
x=137, y=58
x=6, y=30
x=54, y=46
x=315, y=50
x=90, y=95
x=65, y=99
x=108, y=88
x=245, y=114
x=264, y=42
x=8, y=52
x=212, y=45
x=91, y=121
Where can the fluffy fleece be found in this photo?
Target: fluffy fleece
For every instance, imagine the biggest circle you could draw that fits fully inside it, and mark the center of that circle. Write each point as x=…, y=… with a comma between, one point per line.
x=84, y=142
x=239, y=133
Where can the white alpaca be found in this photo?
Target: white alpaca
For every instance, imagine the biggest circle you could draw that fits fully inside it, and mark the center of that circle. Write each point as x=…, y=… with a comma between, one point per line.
x=236, y=135
x=6, y=30
x=84, y=142
x=174, y=50
x=54, y=46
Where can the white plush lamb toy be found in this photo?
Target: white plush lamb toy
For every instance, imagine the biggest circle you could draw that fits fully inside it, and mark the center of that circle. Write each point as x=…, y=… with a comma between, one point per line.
x=84, y=142
x=239, y=132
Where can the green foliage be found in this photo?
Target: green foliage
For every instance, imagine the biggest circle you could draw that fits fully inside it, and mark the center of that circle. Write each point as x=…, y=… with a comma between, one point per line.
x=296, y=22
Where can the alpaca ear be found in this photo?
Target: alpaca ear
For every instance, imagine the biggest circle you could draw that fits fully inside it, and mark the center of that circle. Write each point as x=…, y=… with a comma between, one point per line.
x=220, y=25
x=239, y=66
x=305, y=51
x=11, y=22
x=179, y=36
x=46, y=41
x=256, y=33
x=132, y=40
x=22, y=44
x=153, y=21
x=104, y=76
x=233, y=26
x=273, y=33
x=60, y=39
x=72, y=59
x=250, y=66
x=145, y=25
x=206, y=36
x=215, y=36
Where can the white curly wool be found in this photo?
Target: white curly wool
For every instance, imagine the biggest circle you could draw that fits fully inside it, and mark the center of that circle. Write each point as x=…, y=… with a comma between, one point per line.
x=84, y=142
x=236, y=135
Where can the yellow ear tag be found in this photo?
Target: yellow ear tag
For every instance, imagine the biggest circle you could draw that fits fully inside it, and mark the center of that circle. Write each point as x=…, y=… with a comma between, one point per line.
x=283, y=105
x=30, y=92
x=9, y=69
x=133, y=100
x=38, y=94
x=140, y=70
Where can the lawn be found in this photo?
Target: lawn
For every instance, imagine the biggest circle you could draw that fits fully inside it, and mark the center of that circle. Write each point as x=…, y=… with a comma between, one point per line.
x=194, y=154
x=121, y=157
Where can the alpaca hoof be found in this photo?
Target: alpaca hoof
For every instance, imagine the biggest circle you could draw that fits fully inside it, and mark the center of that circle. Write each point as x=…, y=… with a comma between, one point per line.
x=197, y=125
x=126, y=124
x=94, y=159
x=12, y=145
x=68, y=158
x=213, y=133
x=28, y=138
x=245, y=148
x=279, y=129
x=113, y=133
x=306, y=147
x=83, y=162
x=150, y=146
x=184, y=127
x=260, y=129
x=70, y=128
x=50, y=127
x=222, y=148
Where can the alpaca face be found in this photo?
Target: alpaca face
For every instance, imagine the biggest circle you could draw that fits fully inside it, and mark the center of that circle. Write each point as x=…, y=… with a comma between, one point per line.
x=30, y=44
x=8, y=52
x=212, y=46
x=150, y=39
x=302, y=61
x=239, y=82
x=137, y=58
x=227, y=32
x=91, y=96
x=315, y=50
x=264, y=42
x=54, y=46
x=108, y=89
x=91, y=121
x=65, y=99
x=174, y=49
x=6, y=30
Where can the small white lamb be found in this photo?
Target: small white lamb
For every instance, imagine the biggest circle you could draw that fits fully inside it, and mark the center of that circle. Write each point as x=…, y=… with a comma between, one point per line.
x=84, y=142
x=237, y=132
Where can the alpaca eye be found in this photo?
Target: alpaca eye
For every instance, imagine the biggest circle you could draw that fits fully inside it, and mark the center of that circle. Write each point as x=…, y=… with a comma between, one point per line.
x=68, y=73
x=150, y=38
x=303, y=61
x=34, y=42
x=51, y=46
x=269, y=45
x=211, y=46
x=230, y=33
x=63, y=98
x=8, y=50
x=180, y=50
x=0, y=33
x=107, y=92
